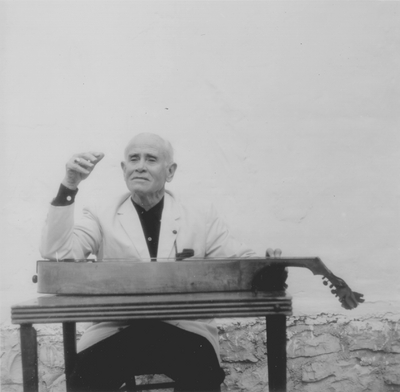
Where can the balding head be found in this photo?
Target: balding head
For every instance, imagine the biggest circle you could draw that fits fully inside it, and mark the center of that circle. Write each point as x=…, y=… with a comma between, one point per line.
x=151, y=139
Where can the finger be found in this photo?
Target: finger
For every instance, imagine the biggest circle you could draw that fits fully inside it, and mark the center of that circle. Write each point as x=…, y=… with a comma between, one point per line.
x=99, y=155
x=84, y=162
x=75, y=165
x=270, y=252
x=277, y=253
x=88, y=156
x=88, y=159
x=93, y=156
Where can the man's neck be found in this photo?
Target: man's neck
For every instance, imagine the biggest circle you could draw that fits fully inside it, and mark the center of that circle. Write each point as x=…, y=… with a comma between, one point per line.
x=148, y=201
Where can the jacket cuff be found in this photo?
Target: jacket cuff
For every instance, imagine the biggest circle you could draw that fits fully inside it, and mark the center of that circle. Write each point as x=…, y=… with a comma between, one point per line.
x=65, y=196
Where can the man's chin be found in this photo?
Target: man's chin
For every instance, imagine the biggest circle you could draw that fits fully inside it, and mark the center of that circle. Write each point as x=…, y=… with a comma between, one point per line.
x=139, y=188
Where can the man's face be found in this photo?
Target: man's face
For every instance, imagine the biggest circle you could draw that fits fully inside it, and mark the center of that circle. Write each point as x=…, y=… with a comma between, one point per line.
x=146, y=168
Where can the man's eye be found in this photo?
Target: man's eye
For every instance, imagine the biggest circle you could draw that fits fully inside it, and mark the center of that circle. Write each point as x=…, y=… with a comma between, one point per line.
x=152, y=159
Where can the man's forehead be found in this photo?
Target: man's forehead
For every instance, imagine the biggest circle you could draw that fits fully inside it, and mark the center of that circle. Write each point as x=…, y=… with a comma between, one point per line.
x=143, y=149
x=146, y=143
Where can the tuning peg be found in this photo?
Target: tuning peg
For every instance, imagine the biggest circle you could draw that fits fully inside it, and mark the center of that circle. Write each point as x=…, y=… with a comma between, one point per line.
x=333, y=291
x=331, y=286
x=325, y=282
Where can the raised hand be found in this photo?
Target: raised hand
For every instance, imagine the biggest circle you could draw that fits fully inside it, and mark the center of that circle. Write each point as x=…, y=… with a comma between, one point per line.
x=79, y=167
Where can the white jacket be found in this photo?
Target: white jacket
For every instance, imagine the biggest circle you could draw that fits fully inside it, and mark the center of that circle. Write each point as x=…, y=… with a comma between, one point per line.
x=113, y=231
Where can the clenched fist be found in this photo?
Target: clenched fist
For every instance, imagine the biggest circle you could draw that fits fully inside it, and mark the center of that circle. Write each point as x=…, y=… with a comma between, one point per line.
x=79, y=166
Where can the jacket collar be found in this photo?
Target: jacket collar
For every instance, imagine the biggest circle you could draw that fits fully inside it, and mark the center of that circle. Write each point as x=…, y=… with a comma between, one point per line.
x=169, y=230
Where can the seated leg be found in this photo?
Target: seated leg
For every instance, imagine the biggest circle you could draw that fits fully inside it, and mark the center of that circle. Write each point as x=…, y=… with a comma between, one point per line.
x=147, y=347
x=191, y=361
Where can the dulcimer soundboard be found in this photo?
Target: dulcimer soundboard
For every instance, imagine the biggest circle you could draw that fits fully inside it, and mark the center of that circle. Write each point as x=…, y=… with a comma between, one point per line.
x=194, y=275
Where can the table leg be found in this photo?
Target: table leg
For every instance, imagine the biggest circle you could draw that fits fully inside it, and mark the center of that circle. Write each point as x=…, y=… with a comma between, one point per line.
x=29, y=358
x=69, y=335
x=276, y=350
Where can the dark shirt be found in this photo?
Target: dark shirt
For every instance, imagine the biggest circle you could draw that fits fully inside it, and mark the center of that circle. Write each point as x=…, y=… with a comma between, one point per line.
x=150, y=220
x=151, y=223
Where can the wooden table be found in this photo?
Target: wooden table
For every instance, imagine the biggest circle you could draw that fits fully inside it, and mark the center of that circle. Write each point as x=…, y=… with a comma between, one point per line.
x=69, y=310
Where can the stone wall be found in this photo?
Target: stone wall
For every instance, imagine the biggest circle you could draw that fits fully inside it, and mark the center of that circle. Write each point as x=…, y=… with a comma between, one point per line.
x=326, y=352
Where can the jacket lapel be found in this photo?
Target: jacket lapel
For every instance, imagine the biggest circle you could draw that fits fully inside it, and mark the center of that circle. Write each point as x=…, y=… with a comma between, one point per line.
x=130, y=221
x=169, y=228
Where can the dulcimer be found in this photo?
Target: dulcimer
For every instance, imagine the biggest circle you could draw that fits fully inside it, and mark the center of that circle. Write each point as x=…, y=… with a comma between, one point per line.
x=122, y=276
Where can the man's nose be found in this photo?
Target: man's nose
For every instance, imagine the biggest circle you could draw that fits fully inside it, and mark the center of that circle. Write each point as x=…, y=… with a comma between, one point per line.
x=140, y=165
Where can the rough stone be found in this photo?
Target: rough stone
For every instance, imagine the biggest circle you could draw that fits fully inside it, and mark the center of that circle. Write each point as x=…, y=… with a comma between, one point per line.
x=395, y=338
x=239, y=345
x=373, y=334
x=254, y=379
x=392, y=374
x=11, y=368
x=306, y=344
x=317, y=371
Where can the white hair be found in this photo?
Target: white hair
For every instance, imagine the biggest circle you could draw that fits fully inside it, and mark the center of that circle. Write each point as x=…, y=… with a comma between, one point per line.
x=167, y=147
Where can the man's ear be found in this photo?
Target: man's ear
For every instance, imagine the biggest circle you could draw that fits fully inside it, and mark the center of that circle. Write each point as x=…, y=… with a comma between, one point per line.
x=123, y=166
x=171, y=171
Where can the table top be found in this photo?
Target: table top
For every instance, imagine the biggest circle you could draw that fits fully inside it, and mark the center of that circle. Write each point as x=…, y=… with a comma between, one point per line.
x=73, y=308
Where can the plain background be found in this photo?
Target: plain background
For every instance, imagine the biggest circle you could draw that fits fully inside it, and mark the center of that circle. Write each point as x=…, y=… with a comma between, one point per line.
x=284, y=114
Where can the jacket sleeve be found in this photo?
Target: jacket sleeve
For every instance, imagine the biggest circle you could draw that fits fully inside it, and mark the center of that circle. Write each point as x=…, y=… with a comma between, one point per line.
x=219, y=241
x=63, y=239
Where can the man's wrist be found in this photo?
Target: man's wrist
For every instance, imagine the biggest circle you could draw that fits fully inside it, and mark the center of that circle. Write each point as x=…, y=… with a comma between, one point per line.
x=70, y=185
x=65, y=196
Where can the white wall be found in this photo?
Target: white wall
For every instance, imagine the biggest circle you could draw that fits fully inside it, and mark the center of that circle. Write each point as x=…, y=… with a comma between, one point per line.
x=286, y=114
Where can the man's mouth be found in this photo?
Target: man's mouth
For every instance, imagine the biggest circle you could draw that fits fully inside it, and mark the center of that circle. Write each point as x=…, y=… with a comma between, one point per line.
x=140, y=178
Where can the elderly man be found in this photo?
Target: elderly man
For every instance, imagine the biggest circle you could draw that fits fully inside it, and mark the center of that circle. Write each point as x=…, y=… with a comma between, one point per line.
x=143, y=225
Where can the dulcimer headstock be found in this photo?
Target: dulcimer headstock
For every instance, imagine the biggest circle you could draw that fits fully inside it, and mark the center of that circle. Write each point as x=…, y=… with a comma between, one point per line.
x=348, y=298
